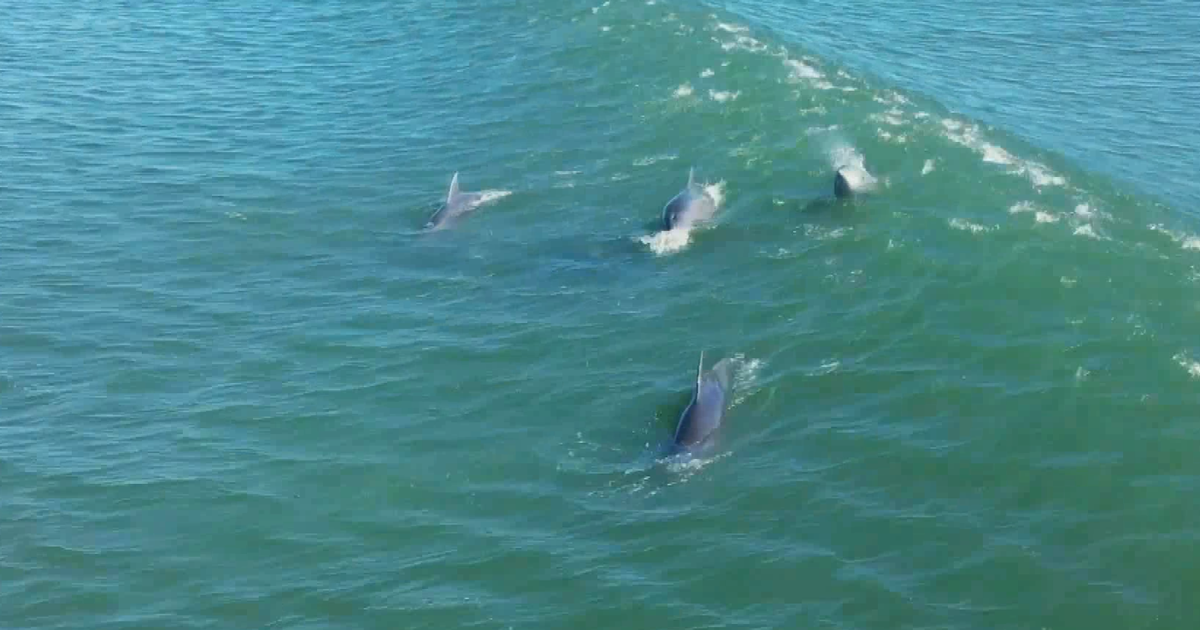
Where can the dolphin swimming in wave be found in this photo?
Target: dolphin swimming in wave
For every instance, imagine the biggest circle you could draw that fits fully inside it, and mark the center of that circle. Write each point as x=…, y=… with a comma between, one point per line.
x=704, y=413
x=692, y=205
x=851, y=180
x=459, y=203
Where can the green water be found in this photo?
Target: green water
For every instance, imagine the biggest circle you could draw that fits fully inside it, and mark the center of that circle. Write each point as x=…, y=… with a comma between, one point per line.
x=242, y=387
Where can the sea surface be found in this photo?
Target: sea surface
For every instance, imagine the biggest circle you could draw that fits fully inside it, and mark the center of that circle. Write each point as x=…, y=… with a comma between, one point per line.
x=242, y=386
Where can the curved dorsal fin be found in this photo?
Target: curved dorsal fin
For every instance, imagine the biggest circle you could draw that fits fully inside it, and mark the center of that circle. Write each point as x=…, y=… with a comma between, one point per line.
x=700, y=369
x=453, y=188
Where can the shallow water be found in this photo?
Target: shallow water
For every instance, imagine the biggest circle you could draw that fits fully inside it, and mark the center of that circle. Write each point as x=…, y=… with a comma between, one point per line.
x=242, y=386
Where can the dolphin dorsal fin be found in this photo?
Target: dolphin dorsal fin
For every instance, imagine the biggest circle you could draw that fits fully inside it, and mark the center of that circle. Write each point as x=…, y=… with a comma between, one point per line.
x=691, y=176
x=453, y=188
x=700, y=368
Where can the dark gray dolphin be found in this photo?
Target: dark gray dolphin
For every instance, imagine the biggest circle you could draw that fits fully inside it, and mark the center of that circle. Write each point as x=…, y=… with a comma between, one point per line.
x=850, y=180
x=704, y=413
x=692, y=205
x=457, y=204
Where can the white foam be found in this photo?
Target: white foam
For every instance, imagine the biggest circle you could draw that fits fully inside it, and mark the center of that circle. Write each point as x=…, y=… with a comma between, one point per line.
x=968, y=136
x=651, y=159
x=1067, y=282
x=723, y=96
x=967, y=226
x=1045, y=217
x=732, y=28
x=606, y=28
x=812, y=131
x=822, y=84
x=750, y=44
x=1186, y=241
x=889, y=137
x=892, y=117
x=995, y=154
x=1086, y=230
x=801, y=70
x=1021, y=206
x=1084, y=211
x=744, y=377
x=683, y=91
x=1041, y=176
x=814, y=110
x=928, y=168
x=567, y=172
x=707, y=72
x=488, y=196
x=1192, y=367
x=827, y=367
x=666, y=241
x=824, y=234
x=1081, y=374
x=890, y=98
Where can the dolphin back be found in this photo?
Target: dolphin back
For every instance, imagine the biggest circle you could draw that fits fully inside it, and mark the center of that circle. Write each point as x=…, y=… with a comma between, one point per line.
x=457, y=203
x=706, y=411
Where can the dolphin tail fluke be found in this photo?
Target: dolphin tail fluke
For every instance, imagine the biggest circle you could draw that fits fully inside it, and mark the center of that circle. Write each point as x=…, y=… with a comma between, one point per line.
x=453, y=188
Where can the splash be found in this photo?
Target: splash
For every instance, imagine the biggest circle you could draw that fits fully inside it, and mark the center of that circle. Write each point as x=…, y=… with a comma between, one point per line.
x=745, y=377
x=928, y=168
x=721, y=97
x=683, y=91
x=666, y=241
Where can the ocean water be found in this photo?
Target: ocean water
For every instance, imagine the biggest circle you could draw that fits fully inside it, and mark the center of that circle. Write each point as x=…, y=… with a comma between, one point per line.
x=241, y=386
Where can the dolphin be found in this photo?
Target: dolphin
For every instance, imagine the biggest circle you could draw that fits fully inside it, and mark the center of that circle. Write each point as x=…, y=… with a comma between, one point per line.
x=850, y=180
x=704, y=413
x=457, y=204
x=692, y=205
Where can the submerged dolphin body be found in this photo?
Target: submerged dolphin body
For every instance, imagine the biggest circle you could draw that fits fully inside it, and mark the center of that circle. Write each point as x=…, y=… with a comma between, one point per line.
x=457, y=204
x=692, y=205
x=704, y=413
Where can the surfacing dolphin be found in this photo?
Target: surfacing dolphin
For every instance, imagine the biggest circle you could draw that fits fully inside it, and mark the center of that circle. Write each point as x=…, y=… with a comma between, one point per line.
x=692, y=205
x=704, y=413
x=851, y=180
x=457, y=204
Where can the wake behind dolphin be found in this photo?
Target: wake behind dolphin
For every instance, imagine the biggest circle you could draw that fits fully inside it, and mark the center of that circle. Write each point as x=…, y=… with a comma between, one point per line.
x=459, y=203
x=706, y=411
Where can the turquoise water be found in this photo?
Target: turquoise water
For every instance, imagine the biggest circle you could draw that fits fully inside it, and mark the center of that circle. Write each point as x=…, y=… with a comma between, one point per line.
x=242, y=387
